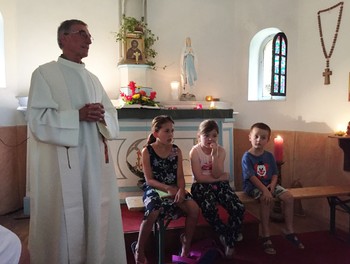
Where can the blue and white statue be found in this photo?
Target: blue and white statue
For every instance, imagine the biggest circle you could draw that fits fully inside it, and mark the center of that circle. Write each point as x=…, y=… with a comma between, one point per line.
x=188, y=72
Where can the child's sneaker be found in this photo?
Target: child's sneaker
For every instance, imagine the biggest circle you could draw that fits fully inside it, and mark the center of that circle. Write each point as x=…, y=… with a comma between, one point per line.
x=268, y=247
x=239, y=237
x=222, y=240
x=229, y=251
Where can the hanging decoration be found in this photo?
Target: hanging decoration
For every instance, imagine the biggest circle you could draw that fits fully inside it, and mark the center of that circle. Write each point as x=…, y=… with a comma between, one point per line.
x=327, y=72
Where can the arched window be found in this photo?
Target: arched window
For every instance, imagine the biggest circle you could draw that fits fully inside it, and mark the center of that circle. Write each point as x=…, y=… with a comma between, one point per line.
x=2, y=54
x=262, y=59
x=279, y=65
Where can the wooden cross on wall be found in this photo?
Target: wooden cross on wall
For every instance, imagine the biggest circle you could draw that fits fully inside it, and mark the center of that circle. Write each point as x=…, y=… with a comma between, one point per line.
x=327, y=73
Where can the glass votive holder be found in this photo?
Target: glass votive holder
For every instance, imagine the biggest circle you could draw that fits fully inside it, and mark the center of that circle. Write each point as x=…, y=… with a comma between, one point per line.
x=209, y=98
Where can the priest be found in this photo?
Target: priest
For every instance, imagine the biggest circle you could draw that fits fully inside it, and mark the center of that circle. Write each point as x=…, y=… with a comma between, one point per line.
x=75, y=213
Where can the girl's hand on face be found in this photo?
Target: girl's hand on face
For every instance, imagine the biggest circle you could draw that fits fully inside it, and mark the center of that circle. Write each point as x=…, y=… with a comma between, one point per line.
x=214, y=148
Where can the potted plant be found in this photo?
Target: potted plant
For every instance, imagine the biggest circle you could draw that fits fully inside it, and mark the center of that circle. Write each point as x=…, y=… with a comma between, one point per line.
x=139, y=29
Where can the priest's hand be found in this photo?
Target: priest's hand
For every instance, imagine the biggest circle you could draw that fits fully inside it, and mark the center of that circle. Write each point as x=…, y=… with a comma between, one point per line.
x=92, y=113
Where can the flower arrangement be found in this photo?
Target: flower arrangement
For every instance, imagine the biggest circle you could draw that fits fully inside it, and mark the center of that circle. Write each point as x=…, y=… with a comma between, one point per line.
x=138, y=96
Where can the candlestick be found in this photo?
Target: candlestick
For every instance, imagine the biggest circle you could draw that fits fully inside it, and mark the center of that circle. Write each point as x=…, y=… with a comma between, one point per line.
x=278, y=149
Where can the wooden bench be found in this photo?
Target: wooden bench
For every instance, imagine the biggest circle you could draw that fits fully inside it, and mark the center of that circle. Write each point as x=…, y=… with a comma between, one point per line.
x=332, y=193
x=135, y=203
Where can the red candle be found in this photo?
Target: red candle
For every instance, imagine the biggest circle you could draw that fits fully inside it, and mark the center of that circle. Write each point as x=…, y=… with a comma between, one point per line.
x=278, y=148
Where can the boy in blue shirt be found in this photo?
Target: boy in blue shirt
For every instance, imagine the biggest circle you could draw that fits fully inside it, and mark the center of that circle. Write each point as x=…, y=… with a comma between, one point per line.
x=260, y=176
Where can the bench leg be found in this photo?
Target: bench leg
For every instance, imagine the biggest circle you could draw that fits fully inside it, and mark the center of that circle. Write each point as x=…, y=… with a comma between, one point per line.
x=332, y=204
x=160, y=240
x=159, y=228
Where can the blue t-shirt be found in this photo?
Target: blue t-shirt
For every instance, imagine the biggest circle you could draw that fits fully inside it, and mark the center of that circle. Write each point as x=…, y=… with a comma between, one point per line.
x=263, y=167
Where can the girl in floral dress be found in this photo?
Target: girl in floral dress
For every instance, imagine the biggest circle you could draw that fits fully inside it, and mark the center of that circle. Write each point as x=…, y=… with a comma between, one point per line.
x=162, y=167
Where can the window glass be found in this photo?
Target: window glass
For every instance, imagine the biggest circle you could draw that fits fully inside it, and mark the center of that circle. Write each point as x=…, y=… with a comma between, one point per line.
x=267, y=65
x=279, y=66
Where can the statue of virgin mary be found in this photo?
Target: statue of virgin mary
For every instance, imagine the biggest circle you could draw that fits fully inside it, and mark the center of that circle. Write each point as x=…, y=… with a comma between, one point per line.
x=188, y=71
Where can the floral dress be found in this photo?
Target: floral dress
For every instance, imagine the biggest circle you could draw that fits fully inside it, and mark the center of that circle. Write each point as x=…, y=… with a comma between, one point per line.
x=165, y=171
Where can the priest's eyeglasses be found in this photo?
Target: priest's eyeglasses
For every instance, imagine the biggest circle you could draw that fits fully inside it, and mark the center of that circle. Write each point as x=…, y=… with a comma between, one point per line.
x=82, y=34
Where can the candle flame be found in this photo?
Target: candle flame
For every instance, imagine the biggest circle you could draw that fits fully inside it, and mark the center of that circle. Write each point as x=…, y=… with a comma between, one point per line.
x=175, y=84
x=341, y=128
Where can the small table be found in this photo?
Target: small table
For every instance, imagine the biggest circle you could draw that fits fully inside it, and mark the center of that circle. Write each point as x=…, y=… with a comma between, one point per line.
x=344, y=144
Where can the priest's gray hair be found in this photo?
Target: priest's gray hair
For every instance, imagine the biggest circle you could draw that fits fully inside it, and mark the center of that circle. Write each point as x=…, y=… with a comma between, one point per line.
x=65, y=28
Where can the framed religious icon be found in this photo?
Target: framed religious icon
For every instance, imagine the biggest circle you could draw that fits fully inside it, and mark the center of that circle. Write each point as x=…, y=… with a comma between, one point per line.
x=134, y=49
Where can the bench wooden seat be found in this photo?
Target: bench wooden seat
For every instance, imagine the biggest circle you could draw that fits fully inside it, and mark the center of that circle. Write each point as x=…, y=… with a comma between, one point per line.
x=308, y=192
x=320, y=191
x=135, y=203
x=331, y=192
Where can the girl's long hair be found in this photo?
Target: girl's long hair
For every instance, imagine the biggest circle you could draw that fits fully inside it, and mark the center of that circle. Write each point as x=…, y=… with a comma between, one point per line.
x=206, y=126
x=157, y=124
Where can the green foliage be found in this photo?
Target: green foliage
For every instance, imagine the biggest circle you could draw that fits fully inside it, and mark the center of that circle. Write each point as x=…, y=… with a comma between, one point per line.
x=140, y=29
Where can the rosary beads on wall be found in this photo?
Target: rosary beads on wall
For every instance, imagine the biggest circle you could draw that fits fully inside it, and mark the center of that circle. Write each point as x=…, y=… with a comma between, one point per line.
x=327, y=72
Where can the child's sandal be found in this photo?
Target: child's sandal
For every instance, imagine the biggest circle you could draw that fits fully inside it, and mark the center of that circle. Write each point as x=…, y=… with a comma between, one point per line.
x=185, y=246
x=136, y=255
x=268, y=247
x=294, y=240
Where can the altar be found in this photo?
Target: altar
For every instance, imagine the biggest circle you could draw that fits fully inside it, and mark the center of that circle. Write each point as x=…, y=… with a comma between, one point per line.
x=135, y=126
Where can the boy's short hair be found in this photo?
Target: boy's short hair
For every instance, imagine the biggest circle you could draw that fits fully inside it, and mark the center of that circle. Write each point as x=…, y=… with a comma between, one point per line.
x=262, y=126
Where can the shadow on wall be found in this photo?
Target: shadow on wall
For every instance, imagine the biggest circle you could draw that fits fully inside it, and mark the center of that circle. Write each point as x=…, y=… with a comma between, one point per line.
x=302, y=125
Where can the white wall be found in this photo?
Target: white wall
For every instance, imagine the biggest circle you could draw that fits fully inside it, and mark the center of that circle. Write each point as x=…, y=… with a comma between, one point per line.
x=30, y=40
x=320, y=105
x=220, y=31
